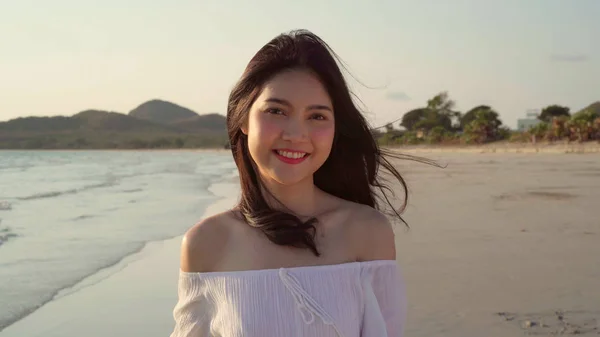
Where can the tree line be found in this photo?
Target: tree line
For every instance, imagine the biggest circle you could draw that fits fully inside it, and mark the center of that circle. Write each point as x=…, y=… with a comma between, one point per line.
x=440, y=123
x=106, y=140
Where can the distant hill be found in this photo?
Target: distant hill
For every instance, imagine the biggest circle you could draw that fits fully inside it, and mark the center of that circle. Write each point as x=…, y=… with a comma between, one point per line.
x=162, y=112
x=89, y=120
x=117, y=122
x=594, y=107
x=203, y=123
x=39, y=124
x=161, y=125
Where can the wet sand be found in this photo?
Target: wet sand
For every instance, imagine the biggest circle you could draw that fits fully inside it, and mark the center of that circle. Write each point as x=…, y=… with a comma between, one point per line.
x=499, y=245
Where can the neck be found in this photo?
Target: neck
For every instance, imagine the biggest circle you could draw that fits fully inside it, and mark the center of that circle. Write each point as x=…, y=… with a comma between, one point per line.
x=300, y=198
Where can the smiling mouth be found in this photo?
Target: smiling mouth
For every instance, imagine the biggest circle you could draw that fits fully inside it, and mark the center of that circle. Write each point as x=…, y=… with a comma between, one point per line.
x=291, y=154
x=291, y=157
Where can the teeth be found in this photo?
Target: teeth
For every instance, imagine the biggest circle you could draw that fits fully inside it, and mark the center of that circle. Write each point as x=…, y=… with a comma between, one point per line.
x=291, y=155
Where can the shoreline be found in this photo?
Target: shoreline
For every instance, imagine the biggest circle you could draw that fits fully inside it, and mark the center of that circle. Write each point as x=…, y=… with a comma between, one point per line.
x=58, y=308
x=495, y=147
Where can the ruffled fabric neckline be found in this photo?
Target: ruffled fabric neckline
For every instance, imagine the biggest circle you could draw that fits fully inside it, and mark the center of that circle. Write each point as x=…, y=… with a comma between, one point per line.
x=315, y=268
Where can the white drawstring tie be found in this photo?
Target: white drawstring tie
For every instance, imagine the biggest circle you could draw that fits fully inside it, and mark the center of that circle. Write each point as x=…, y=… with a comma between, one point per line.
x=306, y=304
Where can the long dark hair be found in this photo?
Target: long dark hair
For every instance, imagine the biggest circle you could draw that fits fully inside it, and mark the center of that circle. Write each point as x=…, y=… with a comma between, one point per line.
x=351, y=170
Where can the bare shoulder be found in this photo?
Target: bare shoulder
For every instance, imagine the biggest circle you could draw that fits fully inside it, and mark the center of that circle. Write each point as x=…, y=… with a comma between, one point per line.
x=202, y=244
x=373, y=233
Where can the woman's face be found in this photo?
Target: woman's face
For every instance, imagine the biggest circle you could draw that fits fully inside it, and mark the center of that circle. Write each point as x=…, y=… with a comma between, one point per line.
x=290, y=127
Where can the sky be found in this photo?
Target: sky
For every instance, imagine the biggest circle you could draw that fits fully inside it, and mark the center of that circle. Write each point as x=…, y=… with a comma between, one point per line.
x=63, y=56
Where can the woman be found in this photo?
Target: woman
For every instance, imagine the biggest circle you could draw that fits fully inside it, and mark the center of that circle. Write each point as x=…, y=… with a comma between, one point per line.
x=306, y=252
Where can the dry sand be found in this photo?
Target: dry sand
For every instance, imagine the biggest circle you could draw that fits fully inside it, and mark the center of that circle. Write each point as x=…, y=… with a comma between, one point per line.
x=498, y=242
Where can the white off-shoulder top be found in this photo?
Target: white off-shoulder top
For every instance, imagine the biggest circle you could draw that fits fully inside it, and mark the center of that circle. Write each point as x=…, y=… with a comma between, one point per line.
x=355, y=299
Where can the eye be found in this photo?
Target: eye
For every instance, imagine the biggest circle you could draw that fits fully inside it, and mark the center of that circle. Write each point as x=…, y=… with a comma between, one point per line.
x=318, y=116
x=274, y=111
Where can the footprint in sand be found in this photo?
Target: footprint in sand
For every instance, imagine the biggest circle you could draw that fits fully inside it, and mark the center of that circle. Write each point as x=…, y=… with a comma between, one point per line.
x=552, y=323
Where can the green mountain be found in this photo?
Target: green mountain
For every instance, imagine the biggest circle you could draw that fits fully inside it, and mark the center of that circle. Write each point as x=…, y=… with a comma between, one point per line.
x=153, y=124
x=204, y=123
x=39, y=124
x=162, y=112
x=594, y=108
x=117, y=122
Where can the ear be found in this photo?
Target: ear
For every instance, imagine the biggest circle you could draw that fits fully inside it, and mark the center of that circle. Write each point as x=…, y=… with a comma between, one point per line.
x=244, y=128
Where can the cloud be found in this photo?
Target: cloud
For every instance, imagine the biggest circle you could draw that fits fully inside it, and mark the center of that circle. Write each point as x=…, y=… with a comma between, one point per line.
x=397, y=96
x=569, y=58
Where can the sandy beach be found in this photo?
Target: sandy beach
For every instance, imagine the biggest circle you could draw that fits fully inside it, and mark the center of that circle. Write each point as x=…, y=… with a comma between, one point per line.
x=500, y=244
x=507, y=147
x=498, y=240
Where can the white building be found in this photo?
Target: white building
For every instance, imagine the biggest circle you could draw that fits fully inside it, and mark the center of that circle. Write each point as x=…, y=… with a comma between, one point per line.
x=531, y=119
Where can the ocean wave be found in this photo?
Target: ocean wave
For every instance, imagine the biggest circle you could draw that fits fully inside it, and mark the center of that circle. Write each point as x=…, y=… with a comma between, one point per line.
x=22, y=167
x=133, y=190
x=114, y=257
x=84, y=216
x=43, y=195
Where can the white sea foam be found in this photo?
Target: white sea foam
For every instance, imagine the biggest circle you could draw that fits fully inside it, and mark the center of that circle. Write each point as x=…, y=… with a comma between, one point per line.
x=68, y=214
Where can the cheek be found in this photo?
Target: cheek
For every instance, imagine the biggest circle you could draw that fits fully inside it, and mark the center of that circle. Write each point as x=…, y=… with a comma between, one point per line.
x=270, y=129
x=323, y=135
x=263, y=132
x=267, y=131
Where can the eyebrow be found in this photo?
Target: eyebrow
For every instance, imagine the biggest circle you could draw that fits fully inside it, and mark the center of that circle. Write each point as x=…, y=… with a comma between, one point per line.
x=288, y=104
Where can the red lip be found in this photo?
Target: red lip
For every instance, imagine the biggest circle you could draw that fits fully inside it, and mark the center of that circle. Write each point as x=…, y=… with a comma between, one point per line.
x=290, y=160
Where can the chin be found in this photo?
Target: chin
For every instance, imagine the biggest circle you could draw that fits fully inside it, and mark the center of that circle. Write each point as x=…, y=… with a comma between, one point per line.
x=288, y=177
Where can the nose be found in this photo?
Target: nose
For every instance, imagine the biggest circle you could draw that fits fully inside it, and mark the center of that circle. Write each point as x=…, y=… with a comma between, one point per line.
x=295, y=131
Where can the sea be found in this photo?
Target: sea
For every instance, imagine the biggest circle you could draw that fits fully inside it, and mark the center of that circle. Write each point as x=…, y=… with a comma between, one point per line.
x=66, y=215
